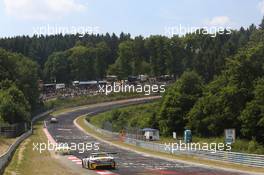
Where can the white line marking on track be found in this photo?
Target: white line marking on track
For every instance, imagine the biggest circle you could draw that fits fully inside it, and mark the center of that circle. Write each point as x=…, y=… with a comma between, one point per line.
x=63, y=129
x=103, y=172
x=77, y=160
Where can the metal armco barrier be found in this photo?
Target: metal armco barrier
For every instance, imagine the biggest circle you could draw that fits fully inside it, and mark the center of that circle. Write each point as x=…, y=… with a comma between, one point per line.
x=7, y=156
x=254, y=160
x=233, y=157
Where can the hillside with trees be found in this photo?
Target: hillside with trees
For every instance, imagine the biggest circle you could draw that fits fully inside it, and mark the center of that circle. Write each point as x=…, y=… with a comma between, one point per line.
x=18, y=87
x=234, y=99
x=123, y=55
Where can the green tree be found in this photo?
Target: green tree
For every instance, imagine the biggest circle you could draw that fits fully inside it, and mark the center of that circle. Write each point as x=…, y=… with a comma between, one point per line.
x=82, y=63
x=178, y=100
x=252, y=117
x=125, y=59
x=178, y=53
x=14, y=107
x=214, y=112
x=102, y=55
x=226, y=97
x=57, y=68
x=159, y=54
x=23, y=72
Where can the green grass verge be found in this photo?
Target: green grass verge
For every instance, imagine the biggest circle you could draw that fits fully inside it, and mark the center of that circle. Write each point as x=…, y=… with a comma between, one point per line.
x=28, y=162
x=136, y=116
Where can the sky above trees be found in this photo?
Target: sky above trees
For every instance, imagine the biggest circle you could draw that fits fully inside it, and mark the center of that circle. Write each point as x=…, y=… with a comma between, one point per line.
x=147, y=17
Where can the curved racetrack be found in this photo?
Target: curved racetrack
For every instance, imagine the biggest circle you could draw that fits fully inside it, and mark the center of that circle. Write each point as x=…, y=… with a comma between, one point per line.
x=128, y=162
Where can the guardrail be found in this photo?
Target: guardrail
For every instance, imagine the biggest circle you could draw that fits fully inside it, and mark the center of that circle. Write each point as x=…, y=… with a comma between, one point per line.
x=254, y=160
x=6, y=157
x=233, y=157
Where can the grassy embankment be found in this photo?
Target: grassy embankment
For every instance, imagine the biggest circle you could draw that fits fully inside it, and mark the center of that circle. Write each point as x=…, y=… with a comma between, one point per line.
x=142, y=116
x=28, y=162
x=5, y=143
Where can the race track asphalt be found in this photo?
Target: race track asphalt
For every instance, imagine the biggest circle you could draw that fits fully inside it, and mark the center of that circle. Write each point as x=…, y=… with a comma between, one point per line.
x=128, y=162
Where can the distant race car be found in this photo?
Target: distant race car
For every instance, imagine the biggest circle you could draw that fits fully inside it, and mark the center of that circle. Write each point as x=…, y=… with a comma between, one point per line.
x=63, y=150
x=102, y=159
x=54, y=120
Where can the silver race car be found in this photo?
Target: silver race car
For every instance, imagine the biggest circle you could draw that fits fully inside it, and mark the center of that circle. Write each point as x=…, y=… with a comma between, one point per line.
x=103, y=159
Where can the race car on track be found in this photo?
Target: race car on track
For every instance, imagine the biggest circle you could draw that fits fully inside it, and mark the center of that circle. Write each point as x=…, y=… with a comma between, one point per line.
x=63, y=149
x=54, y=120
x=103, y=159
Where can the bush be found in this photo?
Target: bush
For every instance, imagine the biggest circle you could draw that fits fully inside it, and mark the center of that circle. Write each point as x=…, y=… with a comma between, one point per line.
x=14, y=107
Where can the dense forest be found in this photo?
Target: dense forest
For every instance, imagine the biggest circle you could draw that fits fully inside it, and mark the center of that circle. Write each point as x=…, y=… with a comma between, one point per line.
x=219, y=79
x=67, y=57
